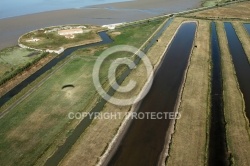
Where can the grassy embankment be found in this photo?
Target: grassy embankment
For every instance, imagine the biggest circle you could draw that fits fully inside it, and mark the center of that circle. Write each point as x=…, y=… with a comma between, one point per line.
x=232, y=11
x=38, y=124
x=53, y=41
x=94, y=141
x=243, y=36
x=189, y=141
x=237, y=129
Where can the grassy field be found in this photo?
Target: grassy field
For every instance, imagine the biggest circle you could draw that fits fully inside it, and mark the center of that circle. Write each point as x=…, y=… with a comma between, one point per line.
x=53, y=41
x=237, y=11
x=189, y=141
x=94, y=141
x=14, y=59
x=243, y=36
x=29, y=128
x=209, y=3
x=35, y=127
x=237, y=129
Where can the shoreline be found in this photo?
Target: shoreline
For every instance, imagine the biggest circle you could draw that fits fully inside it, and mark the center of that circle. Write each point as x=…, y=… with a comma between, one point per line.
x=12, y=28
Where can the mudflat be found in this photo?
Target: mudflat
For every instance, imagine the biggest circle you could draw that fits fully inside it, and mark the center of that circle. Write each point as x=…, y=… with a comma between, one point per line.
x=12, y=28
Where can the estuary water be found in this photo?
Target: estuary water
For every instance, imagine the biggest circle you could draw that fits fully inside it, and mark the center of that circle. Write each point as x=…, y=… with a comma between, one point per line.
x=12, y=8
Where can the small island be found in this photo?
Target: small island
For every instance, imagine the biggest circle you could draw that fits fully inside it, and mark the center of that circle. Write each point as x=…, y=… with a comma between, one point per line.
x=56, y=39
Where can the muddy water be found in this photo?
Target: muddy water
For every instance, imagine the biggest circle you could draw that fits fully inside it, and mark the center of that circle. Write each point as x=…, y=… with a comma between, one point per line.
x=144, y=141
x=105, y=40
x=217, y=139
x=241, y=64
x=247, y=27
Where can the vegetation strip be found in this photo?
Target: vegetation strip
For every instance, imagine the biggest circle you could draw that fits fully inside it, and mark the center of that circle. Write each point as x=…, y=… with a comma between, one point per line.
x=237, y=125
x=186, y=147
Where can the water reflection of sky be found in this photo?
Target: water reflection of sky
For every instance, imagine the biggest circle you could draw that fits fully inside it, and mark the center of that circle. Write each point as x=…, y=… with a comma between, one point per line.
x=11, y=8
x=247, y=26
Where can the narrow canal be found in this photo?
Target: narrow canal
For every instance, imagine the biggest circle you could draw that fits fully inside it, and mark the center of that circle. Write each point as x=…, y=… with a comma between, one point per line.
x=63, y=149
x=241, y=64
x=144, y=141
x=105, y=40
x=217, y=137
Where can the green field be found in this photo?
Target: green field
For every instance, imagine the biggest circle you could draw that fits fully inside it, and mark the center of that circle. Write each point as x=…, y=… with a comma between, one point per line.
x=14, y=60
x=40, y=121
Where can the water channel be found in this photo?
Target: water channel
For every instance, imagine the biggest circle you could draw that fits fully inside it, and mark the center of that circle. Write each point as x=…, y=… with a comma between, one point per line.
x=241, y=64
x=144, y=140
x=217, y=136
